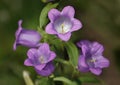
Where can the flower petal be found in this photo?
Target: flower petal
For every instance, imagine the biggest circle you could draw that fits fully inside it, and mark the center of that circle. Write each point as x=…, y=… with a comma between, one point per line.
x=97, y=48
x=40, y=67
x=102, y=62
x=28, y=62
x=85, y=46
x=82, y=66
x=47, y=70
x=53, y=14
x=31, y=53
x=65, y=37
x=68, y=11
x=96, y=71
x=76, y=25
x=29, y=38
x=44, y=49
x=52, y=56
x=50, y=29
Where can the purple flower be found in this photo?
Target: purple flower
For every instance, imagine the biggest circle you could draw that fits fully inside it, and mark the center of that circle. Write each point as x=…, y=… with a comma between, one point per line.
x=63, y=23
x=91, y=58
x=29, y=38
x=41, y=59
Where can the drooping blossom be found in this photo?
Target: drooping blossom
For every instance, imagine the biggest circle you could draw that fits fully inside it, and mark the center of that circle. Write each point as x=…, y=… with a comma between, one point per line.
x=91, y=58
x=29, y=38
x=41, y=59
x=63, y=23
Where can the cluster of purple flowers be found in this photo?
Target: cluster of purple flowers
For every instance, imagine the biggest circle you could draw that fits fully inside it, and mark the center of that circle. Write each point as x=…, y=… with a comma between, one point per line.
x=61, y=25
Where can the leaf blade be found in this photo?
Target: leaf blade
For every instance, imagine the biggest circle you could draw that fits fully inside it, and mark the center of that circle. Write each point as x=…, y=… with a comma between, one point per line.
x=44, y=13
x=72, y=53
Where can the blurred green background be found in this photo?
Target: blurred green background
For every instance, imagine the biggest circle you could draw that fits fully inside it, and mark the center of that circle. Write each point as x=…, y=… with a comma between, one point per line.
x=101, y=22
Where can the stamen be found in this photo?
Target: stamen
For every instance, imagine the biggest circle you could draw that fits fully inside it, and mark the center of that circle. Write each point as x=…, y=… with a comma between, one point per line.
x=62, y=25
x=41, y=59
x=93, y=60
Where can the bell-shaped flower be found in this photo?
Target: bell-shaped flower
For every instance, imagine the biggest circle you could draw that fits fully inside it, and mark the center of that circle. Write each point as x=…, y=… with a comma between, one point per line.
x=41, y=59
x=63, y=23
x=29, y=38
x=91, y=58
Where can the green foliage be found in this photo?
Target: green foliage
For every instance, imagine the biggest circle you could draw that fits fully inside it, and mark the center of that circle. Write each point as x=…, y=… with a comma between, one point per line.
x=44, y=13
x=65, y=80
x=72, y=53
x=44, y=81
x=89, y=79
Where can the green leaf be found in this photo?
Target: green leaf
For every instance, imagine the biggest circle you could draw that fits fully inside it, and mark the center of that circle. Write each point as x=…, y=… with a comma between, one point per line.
x=72, y=53
x=44, y=13
x=89, y=79
x=44, y=81
x=65, y=80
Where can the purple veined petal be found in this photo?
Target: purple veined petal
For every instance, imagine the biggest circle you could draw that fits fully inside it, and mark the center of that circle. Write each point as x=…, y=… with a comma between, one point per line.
x=31, y=53
x=28, y=62
x=96, y=71
x=52, y=56
x=44, y=49
x=82, y=66
x=40, y=66
x=53, y=14
x=17, y=33
x=65, y=37
x=29, y=38
x=85, y=46
x=76, y=25
x=102, y=62
x=84, y=42
x=47, y=70
x=68, y=11
x=97, y=48
x=50, y=29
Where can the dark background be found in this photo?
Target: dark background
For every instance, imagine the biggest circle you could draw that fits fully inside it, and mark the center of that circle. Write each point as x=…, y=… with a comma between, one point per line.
x=101, y=22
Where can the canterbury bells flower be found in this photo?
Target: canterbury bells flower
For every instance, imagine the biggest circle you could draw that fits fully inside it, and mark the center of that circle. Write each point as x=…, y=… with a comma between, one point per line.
x=29, y=38
x=91, y=58
x=63, y=23
x=41, y=59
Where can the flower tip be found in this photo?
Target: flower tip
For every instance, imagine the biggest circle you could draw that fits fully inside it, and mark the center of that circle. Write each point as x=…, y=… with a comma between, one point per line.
x=14, y=46
x=20, y=22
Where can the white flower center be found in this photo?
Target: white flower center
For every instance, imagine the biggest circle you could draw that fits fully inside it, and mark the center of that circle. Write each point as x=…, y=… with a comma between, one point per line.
x=41, y=59
x=62, y=25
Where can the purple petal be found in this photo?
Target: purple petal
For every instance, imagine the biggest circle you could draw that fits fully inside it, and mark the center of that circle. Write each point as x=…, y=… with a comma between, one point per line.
x=40, y=67
x=65, y=37
x=17, y=33
x=53, y=14
x=76, y=25
x=96, y=71
x=85, y=46
x=44, y=49
x=52, y=56
x=28, y=62
x=29, y=38
x=19, y=28
x=68, y=11
x=102, y=62
x=50, y=29
x=31, y=53
x=82, y=66
x=97, y=48
x=47, y=70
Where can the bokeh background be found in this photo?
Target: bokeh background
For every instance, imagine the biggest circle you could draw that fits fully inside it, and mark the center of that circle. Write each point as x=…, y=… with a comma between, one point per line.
x=101, y=22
